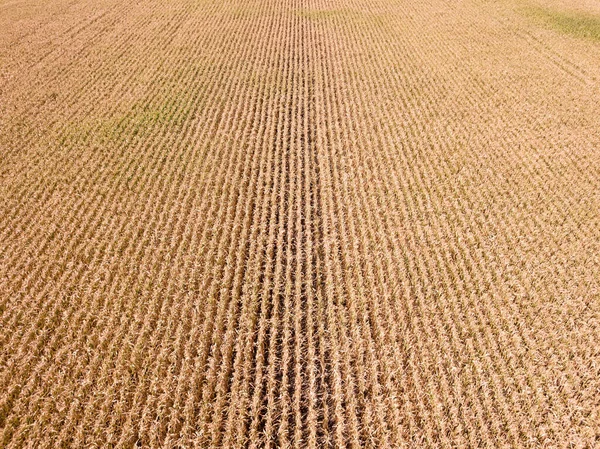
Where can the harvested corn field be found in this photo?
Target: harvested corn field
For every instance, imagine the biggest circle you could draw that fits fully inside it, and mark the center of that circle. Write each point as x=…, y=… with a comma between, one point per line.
x=299, y=223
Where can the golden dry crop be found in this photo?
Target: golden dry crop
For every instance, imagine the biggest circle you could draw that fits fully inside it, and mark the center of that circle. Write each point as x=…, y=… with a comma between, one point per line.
x=300, y=223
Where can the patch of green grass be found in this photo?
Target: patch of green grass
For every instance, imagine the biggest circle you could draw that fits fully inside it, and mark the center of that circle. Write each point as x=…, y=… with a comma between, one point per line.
x=136, y=122
x=574, y=23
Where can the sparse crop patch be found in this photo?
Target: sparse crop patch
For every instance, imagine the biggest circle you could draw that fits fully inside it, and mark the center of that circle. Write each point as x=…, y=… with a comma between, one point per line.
x=345, y=14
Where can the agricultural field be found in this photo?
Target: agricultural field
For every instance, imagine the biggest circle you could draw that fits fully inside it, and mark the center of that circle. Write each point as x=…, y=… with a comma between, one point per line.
x=300, y=224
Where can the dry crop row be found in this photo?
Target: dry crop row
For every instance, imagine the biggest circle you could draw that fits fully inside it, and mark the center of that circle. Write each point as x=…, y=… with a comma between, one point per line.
x=292, y=223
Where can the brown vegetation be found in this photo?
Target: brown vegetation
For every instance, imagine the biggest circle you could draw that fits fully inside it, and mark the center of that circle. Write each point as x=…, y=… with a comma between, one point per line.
x=285, y=223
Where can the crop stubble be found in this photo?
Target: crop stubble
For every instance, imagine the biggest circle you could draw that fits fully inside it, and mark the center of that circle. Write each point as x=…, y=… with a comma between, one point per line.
x=298, y=223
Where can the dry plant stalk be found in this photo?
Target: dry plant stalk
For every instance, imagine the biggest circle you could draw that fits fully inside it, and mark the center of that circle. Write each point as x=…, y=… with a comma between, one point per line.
x=303, y=224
